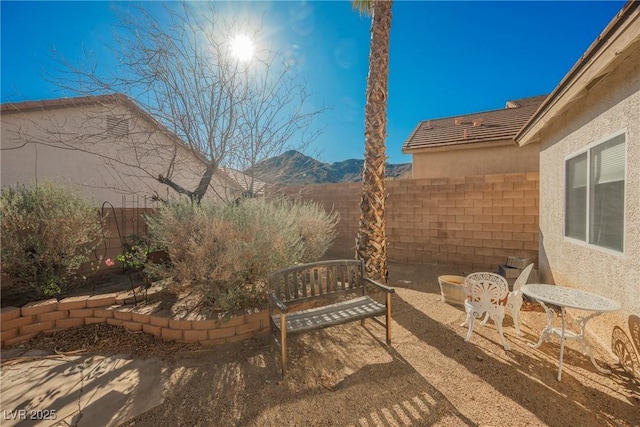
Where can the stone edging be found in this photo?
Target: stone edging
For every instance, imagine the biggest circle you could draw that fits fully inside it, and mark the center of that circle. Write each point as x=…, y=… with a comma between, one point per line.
x=50, y=316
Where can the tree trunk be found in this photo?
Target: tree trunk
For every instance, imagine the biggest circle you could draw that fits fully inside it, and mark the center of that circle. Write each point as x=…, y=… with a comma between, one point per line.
x=371, y=242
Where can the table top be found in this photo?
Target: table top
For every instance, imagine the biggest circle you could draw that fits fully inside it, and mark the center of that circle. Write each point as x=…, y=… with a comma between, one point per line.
x=570, y=297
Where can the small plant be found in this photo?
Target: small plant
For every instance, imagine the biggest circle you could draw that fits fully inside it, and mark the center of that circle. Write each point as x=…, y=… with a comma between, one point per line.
x=135, y=253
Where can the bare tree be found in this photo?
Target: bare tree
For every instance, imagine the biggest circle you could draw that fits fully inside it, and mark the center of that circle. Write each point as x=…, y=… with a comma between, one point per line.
x=178, y=67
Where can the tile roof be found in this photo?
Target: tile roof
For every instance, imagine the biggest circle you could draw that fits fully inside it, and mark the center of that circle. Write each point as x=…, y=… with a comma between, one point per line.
x=484, y=126
x=245, y=181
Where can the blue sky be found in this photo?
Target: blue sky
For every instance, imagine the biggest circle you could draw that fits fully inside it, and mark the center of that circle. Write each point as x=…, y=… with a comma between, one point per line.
x=446, y=58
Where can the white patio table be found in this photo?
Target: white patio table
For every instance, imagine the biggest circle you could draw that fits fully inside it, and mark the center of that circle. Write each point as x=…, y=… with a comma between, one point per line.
x=564, y=297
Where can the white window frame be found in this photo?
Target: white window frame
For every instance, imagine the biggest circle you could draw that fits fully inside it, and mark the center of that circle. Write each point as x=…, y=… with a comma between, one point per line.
x=575, y=154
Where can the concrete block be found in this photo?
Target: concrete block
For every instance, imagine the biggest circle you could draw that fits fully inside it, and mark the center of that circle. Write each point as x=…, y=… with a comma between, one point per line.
x=9, y=313
x=17, y=322
x=36, y=328
x=193, y=336
x=114, y=322
x=171, y=334
x=123, y=313
x=180, y=324
x=52, y=315
x=8, y=334
x=18, y=340
x=73, y=303
x=38, y=307
x=81, y=313
x=106, y=312
x=508, y=272
x=140, y=317
x=101, y=300
x=518, y=262
x=152, y=330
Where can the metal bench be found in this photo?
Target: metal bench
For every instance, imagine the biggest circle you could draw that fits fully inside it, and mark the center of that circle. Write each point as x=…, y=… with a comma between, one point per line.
x=338, y=291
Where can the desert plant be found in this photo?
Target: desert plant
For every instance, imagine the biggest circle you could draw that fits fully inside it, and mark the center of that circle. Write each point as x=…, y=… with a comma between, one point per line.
x=48, y=232
x=134, y=254
x=226, y=251
x=316, y=227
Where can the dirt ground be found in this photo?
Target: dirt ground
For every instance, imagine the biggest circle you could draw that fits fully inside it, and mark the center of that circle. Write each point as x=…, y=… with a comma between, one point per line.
x=348, y=376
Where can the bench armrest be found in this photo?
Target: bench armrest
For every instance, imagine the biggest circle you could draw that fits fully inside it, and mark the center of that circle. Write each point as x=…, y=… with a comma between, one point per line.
x=385, y=288
x=276, y=301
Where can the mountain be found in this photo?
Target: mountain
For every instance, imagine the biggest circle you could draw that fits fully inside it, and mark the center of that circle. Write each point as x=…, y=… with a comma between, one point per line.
x=295, y=168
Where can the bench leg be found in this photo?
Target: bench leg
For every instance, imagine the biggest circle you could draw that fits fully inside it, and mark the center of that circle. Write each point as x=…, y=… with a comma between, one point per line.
x=283, y=343
x=388, y=319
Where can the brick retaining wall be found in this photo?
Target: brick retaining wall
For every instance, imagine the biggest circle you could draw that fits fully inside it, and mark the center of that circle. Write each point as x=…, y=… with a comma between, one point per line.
x=50, y=316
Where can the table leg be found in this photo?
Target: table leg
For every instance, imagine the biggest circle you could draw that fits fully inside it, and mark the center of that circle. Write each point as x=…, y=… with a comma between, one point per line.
x=584, y=345
x=548, y=329
x=561, y=344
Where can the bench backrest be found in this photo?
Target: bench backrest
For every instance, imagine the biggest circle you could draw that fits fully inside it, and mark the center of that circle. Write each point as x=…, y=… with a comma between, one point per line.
x=318, y=280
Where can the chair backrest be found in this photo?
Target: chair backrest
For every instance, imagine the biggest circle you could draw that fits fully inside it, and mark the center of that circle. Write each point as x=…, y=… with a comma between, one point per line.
x=318, y=280
x=486, y=289
x=523, y=277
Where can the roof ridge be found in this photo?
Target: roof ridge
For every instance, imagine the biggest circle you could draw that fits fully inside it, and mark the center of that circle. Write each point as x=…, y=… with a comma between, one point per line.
x=488, y=111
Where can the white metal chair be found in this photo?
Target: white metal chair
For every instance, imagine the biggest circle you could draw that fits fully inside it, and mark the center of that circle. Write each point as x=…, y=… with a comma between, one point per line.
x=514, y=300
x=486, y=293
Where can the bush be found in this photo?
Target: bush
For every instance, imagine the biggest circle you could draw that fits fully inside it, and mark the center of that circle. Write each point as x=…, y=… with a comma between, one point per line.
x=226, y=251
x=48, y=232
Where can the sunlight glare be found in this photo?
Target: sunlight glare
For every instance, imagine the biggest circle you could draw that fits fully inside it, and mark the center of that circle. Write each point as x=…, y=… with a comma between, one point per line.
x=242, y=48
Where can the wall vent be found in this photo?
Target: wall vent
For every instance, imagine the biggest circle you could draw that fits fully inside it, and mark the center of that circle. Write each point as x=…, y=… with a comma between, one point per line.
x=117, y=126
x=595, y=81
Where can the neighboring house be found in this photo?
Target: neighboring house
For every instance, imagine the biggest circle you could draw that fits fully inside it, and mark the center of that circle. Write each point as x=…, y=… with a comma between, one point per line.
x=474, y=144
x=588, y=130
x=105, y=146
x=250, y=185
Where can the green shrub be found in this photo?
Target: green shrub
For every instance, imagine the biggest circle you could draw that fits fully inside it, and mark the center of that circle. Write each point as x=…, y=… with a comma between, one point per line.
x=226, y=251
x=48, y=232
x=134, y=254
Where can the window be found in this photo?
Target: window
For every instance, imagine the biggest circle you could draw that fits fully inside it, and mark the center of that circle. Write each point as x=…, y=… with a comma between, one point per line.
x=594, y=197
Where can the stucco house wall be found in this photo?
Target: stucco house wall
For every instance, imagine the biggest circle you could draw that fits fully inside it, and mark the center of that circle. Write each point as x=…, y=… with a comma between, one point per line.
x=80, y=144
x=611, y=107
x=597, y=100
x=496, y=158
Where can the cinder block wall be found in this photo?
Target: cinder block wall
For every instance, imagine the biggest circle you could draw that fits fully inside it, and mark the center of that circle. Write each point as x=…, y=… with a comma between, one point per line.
x=474, y=221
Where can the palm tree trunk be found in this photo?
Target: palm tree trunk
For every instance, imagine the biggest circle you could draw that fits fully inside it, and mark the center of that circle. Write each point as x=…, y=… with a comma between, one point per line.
x=371, y=242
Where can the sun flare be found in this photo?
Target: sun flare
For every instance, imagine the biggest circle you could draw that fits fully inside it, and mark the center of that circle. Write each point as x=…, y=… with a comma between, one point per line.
x=242, y=48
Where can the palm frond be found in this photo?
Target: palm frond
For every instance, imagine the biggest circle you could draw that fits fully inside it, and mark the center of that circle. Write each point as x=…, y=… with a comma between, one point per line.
x=364, y=7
